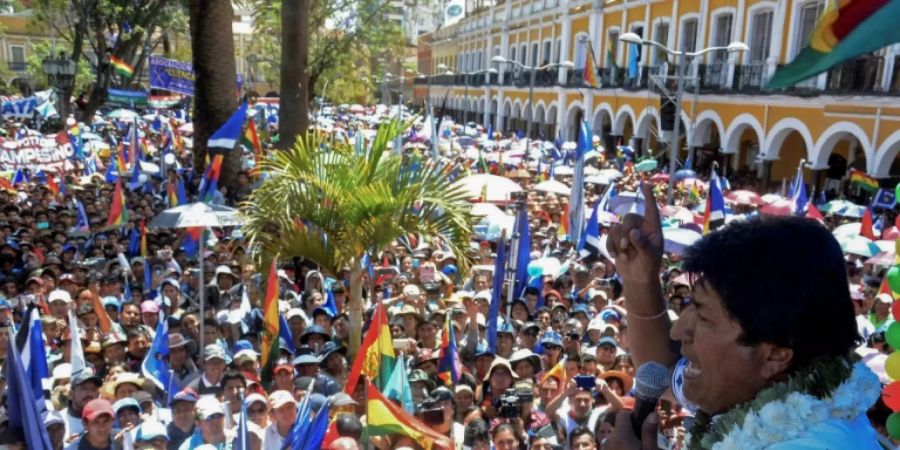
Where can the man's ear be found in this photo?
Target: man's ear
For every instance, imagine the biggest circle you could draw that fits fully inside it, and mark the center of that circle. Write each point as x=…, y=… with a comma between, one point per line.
x=775, y=360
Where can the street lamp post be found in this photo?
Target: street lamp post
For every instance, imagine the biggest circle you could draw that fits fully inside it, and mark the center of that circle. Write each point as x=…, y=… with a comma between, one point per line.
x=533, y=70
x=429, y=107
x=60, y=73
x=683, y=56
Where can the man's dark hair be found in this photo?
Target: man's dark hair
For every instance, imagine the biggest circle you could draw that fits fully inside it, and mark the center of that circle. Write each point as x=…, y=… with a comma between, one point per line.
x=578, y=432
x=232, y=374
x=348, y=426
x=782, y=280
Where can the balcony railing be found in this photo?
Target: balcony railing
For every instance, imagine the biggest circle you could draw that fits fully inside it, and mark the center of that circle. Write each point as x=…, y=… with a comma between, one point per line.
x=864, y=75
x=750, y=77
x=857, y=76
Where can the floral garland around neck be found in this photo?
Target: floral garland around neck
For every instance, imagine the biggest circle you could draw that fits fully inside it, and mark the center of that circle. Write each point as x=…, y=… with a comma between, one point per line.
x=827, y=388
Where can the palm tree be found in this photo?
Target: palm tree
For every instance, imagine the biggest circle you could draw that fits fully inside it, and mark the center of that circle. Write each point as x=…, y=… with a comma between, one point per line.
x=212, y=47
x=334, y=206
x=294, y=110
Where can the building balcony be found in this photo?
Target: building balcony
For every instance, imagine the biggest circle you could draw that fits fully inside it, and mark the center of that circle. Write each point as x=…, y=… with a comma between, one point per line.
x=866, y=75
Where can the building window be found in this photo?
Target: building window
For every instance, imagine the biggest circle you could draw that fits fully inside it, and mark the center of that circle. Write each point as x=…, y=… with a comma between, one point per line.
x=722, y=35
x=534, y=54
x=581, y=46
x=661, y=35
x=689, y=35
x=760, y=36
x=512, y=53
x=523, y=50
x=556, y=51
x=546, y=53
x=808, y=15
x=17, y=57
x=612, y=48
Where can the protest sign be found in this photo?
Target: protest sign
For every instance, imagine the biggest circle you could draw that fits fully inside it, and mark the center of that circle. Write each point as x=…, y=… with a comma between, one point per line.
x=35, y=153
x=173, y=76
x=19, y=109
x=124, y=97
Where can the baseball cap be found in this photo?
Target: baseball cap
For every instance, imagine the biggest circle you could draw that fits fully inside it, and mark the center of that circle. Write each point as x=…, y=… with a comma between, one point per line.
x=149, y=306
x=186, y=395
x=208, y=406
x=86, y=374
x=280, y=398
x=607, y=341
x=150, y=430
x=127, y=402
x=96, y=408
x=214, y=351
x=53, y=418
x=255, y=397
x=59, y=295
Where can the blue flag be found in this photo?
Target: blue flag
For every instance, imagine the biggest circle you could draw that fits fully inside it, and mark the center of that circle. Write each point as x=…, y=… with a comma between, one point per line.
x=496, y=294
x=295, y=437
x=523, y=252
x=634, y=56
x=242, y=440
x=134, y=242
x=23, y=411
x=284, y=332
x=109, y=176
x=397, y=387
x=30, y=341
x=576, y=201
x=19, y=177
x=589, y=245
x=330, y=305
x=226, y=137
x=798, y=192
x=155, y=366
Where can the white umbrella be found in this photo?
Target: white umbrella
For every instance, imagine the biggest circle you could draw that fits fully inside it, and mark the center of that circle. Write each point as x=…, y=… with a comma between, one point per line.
x=126, y=114
x=563, y=170
x=149, y=168
x=622, y=204
x=847, y=229
x=485, y=209
x=549, y=266
x=678, y=239
x=88, y=136
x=598, y=179
x=498, y=189
x=493, y=226
x=552, y=187
x=197, y=215
x=771, y=198
x=610, y=173
x=858, y=245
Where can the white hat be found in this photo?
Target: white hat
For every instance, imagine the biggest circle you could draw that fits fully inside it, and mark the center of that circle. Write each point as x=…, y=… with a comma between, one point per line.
x=295, y=312
x=53, y=418
x=483, y=295
x=59, y=295
x=208, y=406
x=150, y=430
x=255, y=397
x=62, y=371
x=411, y=290
x=225, y=270
x=280, y=398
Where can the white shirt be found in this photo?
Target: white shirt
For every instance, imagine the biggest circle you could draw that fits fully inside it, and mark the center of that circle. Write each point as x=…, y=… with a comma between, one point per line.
x=864, y=327
x=74, y=425
x=271, y=439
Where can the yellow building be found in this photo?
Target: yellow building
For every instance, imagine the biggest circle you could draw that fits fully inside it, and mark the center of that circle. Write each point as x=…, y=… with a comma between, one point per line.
x=21, y=32
x=847, y=117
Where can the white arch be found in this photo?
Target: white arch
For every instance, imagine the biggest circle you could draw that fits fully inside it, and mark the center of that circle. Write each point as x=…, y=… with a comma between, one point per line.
x=777, y=134
x=648, y=115
x=527, y=111
x=833, y=135
x=507, y=108
x=570, y=118
x=619, y=122
x=517, y=109
x=602, y=107
x=885, y=155
x=731, y=141
x=551, y=113
x=539, y=113
x=702, y=127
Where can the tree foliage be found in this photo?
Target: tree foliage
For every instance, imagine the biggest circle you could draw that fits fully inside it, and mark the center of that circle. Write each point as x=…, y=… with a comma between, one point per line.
x=346, y=37
x=95, y=30
x=40, y=51
x=328, y=203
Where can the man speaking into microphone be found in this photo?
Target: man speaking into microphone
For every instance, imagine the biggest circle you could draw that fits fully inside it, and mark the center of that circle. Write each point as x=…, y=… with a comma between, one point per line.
x=762, y=351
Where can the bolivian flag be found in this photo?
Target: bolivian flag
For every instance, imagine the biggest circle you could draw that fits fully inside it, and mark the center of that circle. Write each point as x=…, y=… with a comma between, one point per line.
x=590, y=74
x=268, y=340
x=376, y=357
x=118, y=211
x=846, y=29
x=385, y=418
x=121, y=67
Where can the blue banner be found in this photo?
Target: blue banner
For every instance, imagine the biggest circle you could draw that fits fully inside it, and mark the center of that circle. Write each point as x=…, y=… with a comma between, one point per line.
x=20, y=108
x=125, y=97
x=171, y=75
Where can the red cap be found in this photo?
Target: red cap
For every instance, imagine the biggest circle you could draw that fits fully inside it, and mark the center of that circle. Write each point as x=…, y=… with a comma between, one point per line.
x=96, y=408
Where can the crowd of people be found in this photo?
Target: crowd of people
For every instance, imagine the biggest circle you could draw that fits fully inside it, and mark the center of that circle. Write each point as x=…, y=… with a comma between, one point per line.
x=558, y=374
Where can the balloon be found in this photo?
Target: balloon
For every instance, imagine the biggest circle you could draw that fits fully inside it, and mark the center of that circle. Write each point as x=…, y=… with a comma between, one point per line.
x=893, y=425
x=891, y=396
x=897, y=220
x=895, y=310
x=892, y=365
x=893, y=276
x=892, y=336
x=897, y=191
x=535, y=269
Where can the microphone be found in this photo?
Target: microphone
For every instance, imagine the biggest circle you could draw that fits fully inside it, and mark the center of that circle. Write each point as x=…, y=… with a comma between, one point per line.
x=650, y=381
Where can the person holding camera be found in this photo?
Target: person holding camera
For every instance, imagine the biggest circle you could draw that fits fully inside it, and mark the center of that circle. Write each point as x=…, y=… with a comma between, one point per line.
x=516, y=406
x=436, y=411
